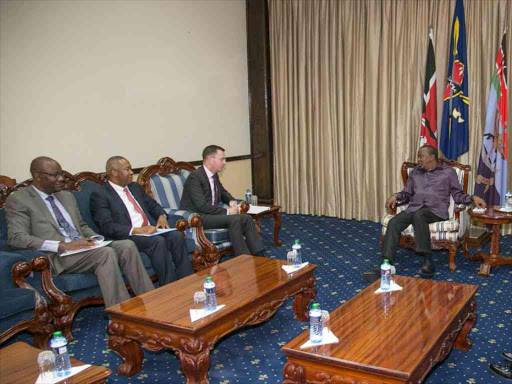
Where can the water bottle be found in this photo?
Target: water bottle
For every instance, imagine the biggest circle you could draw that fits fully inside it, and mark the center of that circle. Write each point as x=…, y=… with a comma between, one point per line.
x=315, y=323
x=385, y=275
x=297, y=248
x=508, y=200
x=248, y=196
x=59, y=345
x=211, y=296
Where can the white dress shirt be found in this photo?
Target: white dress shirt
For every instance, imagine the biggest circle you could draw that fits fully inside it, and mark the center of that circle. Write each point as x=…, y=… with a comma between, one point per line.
x=135, y=216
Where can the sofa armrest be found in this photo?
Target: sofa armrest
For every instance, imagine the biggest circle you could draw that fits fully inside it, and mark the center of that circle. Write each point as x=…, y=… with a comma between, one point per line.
x=209, y=255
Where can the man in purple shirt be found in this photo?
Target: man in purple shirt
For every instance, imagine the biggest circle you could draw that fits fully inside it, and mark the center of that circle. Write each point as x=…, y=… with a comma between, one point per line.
x=428, y=190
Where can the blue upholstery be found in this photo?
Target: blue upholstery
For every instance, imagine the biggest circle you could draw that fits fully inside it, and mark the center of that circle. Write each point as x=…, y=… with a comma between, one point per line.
x=16, y=300
x=83, y=198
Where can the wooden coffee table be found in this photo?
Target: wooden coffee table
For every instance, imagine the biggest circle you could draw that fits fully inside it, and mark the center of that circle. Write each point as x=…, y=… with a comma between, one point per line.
x=252, y=288
x=18, y=364
x=389, y=338
x=274, y=212
x=495, y=218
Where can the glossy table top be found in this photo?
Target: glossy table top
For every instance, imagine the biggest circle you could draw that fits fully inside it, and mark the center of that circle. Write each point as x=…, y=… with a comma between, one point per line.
x=492, y=212
x=391, y=331
x=18, y=364
x=239, y=282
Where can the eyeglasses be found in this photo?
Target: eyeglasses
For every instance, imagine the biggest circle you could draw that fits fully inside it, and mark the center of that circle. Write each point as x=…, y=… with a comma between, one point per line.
x=56, y=174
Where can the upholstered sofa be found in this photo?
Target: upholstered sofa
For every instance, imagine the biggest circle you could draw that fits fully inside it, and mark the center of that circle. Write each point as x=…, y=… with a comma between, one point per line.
x=164, y=181
x=67, y=293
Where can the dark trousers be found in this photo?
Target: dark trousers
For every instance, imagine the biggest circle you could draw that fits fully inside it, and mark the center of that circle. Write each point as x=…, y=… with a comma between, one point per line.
x=242, y=232
x=168, y=254
x=420, y=221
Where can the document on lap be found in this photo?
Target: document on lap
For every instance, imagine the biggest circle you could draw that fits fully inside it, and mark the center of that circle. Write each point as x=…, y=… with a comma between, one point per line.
x=159, y=231
x=98, y=245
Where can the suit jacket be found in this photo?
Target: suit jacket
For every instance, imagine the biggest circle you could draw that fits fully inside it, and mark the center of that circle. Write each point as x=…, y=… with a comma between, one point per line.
x=30, y=223
x=110, y=214
x=197, y=194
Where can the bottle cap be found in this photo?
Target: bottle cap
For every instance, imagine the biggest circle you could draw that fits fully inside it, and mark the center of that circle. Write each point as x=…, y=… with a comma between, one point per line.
x=57, y=333
x=208, y=278
x=296, y=241
x=315, y=306
x=386, y=261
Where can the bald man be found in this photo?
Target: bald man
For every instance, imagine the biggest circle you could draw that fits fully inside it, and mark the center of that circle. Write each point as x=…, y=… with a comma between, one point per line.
x=45, y=218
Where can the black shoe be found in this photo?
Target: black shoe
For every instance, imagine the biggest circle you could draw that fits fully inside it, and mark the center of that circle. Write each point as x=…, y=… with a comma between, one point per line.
x=507, y=355
x=428, y=269
x=372, y=275
x=502, y=370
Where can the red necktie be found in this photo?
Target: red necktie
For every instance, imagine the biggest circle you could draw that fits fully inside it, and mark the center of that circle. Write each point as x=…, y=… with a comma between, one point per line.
x=145, y=220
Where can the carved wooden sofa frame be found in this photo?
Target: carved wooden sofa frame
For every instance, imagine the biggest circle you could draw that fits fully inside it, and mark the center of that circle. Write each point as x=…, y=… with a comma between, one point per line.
x=409, y=242
x=41, y=324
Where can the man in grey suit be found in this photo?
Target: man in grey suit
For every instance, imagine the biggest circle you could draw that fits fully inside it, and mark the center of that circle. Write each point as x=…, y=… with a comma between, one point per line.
x=202, y=193
x=44, y=217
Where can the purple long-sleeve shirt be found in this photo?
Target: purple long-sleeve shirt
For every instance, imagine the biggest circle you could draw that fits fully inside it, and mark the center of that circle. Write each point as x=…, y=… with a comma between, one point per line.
x=432, y=189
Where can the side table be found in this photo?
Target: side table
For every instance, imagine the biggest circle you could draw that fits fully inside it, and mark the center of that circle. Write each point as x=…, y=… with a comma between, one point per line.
x=274, y=212
x=492, y=259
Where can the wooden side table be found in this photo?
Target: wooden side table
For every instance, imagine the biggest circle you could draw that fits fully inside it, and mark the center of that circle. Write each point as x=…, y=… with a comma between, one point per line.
x=18, y=364
x=492, y=259
x=274, y=212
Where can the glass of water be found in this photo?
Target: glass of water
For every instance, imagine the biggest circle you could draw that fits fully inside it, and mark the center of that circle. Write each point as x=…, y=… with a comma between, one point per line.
x=291, y=257
x=325, y=321
x=199, y=300
x=46, y=361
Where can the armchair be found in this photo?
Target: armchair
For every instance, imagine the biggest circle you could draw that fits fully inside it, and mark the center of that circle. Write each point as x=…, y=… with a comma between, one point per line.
x=448, y=234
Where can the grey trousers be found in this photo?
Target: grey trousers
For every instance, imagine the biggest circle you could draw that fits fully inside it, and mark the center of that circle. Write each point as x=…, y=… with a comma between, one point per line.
x=105, y=262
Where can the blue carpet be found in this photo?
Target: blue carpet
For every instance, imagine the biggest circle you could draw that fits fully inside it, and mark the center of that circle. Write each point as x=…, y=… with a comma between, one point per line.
x=343, y=249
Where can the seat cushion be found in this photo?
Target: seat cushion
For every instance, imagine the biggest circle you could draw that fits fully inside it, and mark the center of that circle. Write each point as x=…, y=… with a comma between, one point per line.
x=16, y=300
x=217, y=236
x=440, y=226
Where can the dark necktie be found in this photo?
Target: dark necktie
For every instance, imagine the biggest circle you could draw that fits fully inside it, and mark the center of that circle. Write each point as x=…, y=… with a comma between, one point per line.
x=61, y=220
x=139, y=210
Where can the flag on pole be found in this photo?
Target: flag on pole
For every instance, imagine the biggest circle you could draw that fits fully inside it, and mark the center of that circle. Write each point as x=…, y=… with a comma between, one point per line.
x=454, y=128
x=491, y=179
x=428, y=130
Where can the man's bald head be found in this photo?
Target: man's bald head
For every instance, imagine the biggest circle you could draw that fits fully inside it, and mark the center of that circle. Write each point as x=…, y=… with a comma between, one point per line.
x=41, y=164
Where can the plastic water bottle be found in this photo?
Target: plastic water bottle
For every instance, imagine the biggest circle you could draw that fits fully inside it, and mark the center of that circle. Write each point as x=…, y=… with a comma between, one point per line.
x=385, y=275
x=248, y=196
x=297, y=248
x=211, y=295
x=59, y=345
x=508, y=200
x=315, y=323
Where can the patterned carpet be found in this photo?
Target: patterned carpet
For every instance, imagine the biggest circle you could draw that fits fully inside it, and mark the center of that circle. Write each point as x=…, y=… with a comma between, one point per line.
x=343, y=249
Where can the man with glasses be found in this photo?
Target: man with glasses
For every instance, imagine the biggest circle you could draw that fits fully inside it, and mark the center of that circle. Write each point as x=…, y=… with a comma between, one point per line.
x=202, y=193
x=45, y=218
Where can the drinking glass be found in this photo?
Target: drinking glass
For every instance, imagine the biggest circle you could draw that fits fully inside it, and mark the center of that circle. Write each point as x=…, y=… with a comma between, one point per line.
x=291, y=256
x=325, y=321
x=254, y=200
x=46, y=361
x=199, y=300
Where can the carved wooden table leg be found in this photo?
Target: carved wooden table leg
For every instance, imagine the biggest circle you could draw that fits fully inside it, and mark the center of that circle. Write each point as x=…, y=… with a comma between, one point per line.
x=258, y=226
x=463, y=342
x=130, y=351
x=491, y=258
x=293, y=374
x=277, y=226
x=194, y=356
x=302, y=300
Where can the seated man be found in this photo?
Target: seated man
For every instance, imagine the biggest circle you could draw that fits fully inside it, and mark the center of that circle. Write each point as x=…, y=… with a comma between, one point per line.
x=202, y=193
x=428, y=190
x=44, y=217
x=503, y=370
x=122, y=210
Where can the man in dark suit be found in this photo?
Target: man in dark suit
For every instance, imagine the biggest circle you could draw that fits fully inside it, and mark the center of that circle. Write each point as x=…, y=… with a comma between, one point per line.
x=123, y=210
x=202, y=193
x=44, y=217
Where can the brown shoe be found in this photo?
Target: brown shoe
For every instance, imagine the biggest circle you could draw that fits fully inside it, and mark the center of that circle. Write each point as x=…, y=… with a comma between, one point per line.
x=428, y=269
